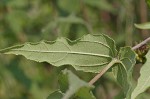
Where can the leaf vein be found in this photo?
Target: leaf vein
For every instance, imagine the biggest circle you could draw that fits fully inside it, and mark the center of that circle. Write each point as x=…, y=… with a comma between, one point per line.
x=78, y=53
x=99, y=43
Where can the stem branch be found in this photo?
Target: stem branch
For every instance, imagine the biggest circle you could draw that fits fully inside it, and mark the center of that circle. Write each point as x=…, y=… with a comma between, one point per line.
x=141, y=44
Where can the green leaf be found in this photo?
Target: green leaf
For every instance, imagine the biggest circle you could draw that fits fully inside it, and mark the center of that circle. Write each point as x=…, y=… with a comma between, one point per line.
x=91, y=53
x=144, y=79
x=76, y=89
x=84, y=93
x=16, y=20
x=65, y=23
x=55, y=95
x=123, y=70
x=143, y=96
x=63, y=82
x=143, y=25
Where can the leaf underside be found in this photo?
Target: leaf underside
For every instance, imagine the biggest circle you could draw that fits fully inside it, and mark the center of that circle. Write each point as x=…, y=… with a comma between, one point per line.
x=143, y=25
x=144, y=79
x=89, y=53
x=123, y=70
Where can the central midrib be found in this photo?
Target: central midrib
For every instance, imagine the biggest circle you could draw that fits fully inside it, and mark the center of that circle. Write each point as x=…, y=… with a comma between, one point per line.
x=68, y=52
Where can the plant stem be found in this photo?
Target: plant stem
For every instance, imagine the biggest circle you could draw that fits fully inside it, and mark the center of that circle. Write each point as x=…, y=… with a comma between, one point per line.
x=114, y=61
x=141, y=44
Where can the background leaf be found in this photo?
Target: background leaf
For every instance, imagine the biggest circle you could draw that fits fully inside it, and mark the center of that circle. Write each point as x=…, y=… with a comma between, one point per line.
x=55, y=95
x=90, y=53
x=71, y=19
x=63, y=82
x=144, y=79
x=143, y=25
x=76, y=88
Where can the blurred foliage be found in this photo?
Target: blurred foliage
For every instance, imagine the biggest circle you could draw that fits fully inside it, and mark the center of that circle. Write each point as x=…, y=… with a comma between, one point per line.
x=34, y=20
x=143, y=25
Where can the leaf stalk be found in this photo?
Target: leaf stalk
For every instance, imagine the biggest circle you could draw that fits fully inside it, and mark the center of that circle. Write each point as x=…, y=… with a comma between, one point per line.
x=114, y=61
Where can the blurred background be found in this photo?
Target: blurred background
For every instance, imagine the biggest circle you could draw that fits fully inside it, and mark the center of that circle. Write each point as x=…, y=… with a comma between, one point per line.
x=34, y=20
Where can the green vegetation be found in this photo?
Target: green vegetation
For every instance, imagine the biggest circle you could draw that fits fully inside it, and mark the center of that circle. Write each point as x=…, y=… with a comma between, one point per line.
x=76, y=59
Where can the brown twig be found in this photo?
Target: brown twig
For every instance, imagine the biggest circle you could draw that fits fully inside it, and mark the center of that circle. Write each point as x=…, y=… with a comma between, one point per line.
x=141, y=44
x=114, y=61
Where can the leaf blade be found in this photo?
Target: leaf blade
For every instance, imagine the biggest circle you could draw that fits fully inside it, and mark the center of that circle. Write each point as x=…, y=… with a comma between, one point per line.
x=143, y=25
x=90, y=53
x=144, y=79
x=123, y=70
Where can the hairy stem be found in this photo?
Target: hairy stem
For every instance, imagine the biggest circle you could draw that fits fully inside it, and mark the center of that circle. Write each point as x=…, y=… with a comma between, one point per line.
x=141, y=44
x=114, y=61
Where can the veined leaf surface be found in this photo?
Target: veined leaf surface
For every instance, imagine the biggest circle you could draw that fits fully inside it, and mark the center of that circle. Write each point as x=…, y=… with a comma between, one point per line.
x=90, y=53
x=144, y=79
x=123, y=70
